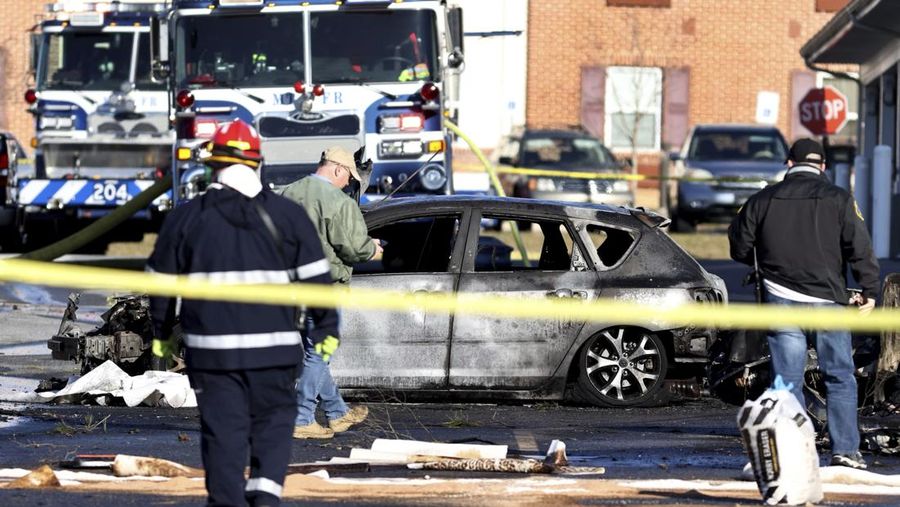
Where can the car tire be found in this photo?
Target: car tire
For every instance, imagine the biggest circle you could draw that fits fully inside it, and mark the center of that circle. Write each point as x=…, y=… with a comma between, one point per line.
x=607, y=377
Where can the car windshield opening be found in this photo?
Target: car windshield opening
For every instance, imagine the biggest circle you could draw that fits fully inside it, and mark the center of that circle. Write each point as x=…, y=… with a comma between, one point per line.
x=94, y=61
x=570, y=153
x=260, y=50
x=385, y=46
x=737, y=145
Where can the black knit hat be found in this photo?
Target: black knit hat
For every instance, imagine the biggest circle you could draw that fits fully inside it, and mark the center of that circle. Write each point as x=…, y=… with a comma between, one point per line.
x=807, y=151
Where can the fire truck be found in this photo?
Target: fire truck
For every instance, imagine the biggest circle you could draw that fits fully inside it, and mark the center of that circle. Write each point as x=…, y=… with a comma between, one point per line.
x=102, y=130
x=378, y=74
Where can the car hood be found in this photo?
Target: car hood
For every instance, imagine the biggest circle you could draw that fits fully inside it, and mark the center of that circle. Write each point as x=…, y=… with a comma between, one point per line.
x=737, y=167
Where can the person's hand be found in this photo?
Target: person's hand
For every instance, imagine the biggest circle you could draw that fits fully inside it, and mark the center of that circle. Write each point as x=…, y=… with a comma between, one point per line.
x=163, y=348
x=327, y=347
x=866, y=306
x=378, y=248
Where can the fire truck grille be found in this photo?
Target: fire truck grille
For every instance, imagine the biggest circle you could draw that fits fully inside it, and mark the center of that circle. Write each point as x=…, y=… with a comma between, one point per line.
x=273, y=126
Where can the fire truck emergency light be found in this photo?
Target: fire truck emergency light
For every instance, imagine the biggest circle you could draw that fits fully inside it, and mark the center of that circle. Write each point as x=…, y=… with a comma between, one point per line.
x=318, y=90
x=429, y=92
x=30, y=96
x=299, y=87
x=184, y=99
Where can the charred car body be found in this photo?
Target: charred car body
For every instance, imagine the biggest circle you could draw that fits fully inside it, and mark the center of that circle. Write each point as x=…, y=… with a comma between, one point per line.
x=578, y=251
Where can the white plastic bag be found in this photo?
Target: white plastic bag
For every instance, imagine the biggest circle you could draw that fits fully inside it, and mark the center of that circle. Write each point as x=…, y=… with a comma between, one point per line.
x=780, y=440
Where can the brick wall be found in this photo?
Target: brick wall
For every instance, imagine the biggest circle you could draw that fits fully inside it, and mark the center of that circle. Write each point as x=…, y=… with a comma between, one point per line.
x=734, y=49
x=16, y=19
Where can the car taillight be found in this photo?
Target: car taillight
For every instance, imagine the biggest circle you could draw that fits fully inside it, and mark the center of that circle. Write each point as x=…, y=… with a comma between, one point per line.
x=4, y=161
x=205, y=128
x=184, y=99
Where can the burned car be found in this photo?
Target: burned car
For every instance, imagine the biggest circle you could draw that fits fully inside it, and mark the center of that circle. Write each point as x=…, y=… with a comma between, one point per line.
x=576, y=251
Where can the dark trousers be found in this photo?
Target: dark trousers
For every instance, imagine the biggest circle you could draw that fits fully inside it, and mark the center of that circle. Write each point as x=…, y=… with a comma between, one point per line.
x=245, y=412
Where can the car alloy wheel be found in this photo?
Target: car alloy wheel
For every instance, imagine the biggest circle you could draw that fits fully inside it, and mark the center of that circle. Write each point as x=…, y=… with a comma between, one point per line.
x=622, y=366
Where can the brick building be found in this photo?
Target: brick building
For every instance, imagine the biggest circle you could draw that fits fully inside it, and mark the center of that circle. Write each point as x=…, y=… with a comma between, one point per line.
x=17, y=17
x=670, y=64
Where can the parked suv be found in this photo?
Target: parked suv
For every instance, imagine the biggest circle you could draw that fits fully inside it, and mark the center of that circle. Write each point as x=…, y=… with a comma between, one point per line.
x=562, y=150
x=738, y=160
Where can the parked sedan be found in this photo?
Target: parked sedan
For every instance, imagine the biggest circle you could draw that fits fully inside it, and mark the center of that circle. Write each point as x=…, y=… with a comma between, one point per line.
x=577, y=251
x=562, y=150
x=738, y=160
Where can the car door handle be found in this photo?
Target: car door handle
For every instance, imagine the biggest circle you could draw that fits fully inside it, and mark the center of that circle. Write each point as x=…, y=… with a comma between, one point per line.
x=560, y=293
x=568, y=293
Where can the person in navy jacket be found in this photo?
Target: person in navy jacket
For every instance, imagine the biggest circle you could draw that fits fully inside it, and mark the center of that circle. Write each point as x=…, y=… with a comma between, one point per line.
x=242, y=358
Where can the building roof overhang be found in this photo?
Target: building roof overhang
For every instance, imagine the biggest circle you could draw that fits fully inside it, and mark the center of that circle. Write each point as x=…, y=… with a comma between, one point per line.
x=855, y=33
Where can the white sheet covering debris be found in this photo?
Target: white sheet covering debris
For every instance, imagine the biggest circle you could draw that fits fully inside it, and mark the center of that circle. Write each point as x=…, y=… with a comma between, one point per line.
x=152, y=388
x=70, y=478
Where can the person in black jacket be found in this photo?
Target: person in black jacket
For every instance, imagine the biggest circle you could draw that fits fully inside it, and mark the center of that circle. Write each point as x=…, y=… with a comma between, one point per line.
x=242, y=358
x=805, y=231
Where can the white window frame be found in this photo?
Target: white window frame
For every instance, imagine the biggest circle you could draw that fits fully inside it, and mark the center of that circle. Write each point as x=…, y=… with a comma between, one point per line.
x=624, y=80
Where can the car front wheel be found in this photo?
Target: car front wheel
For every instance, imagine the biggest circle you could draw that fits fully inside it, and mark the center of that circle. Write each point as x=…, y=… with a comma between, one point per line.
x=621, y=367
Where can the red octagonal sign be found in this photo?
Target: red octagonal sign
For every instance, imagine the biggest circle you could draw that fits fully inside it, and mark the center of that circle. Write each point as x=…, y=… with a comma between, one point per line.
x=823, y=111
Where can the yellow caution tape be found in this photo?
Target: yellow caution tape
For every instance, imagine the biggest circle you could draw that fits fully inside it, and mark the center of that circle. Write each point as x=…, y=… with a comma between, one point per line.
x=599, y=175
x=600, y=310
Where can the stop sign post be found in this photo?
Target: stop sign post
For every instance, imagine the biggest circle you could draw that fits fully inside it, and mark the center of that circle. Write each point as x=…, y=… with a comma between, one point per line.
x=823, y=111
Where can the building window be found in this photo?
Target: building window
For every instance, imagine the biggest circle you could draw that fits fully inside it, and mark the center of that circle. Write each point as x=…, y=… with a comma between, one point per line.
x=851, y=91
x=633, y=107
x=830, y=5
x=639, y=3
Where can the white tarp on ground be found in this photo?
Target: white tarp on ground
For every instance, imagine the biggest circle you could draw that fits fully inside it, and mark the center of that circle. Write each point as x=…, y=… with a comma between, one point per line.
x=152, y=388
x=73, y=478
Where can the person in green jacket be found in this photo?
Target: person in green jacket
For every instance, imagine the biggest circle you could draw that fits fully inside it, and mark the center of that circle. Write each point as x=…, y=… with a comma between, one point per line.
x=345, y=241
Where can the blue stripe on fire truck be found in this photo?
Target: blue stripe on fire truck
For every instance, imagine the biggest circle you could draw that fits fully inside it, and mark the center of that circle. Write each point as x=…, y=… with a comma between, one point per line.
x=83, y=192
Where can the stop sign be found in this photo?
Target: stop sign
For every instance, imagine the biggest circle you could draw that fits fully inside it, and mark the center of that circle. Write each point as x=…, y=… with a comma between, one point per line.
x=823, y=111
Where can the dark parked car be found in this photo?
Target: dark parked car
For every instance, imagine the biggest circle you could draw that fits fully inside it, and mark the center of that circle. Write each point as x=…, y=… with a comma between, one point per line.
x=578, y=251
x=562, y=150
x=743, y=158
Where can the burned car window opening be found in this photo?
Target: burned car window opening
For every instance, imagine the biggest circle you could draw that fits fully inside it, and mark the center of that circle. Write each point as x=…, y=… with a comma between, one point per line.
x=549, y=246
x=416, y=245
x=611, y=244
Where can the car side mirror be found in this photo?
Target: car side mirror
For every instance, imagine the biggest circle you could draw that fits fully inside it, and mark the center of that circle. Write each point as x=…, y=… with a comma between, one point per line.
x=674, y=156
x=505, y=161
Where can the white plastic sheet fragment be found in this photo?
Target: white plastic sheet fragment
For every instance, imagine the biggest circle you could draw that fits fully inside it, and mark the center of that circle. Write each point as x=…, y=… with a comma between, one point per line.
x=152, y=388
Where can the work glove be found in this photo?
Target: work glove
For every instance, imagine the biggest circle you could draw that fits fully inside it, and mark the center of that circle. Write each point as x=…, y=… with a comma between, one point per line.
x=327, y=347
x=164, y=348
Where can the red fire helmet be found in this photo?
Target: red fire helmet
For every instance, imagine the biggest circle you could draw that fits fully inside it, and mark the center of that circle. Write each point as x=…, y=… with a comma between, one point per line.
x=235, y=143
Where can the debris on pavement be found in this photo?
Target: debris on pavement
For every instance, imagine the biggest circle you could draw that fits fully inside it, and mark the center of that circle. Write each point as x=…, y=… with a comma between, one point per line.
x=108, y=384
x=43, y=477
x=527, y=466
x=881, y=441
x=400, y=452
x=128, y=466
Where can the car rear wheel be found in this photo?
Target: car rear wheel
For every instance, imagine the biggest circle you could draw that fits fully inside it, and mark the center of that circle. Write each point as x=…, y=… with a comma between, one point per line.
x=622, y=367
